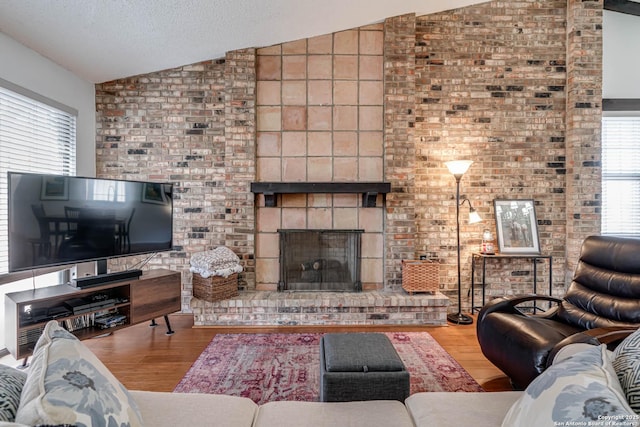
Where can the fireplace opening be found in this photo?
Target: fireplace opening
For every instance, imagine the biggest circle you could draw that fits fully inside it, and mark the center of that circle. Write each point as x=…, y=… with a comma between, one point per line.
x=320, y=260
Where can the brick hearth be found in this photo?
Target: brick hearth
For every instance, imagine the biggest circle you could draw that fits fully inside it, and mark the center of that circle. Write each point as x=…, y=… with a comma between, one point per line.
x=265, y=308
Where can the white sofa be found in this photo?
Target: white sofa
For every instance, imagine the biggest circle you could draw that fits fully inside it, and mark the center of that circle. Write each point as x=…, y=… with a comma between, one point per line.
x=67, y=384
x=421, y=410
x=562, y=395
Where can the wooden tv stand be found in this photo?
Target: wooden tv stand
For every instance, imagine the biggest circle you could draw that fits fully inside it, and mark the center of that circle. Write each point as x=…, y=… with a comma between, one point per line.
x=91, y=311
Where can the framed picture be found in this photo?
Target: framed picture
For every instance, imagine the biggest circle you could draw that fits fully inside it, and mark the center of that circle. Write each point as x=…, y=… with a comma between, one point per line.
x=54, y=188
x=153, y=193
x=516, y=226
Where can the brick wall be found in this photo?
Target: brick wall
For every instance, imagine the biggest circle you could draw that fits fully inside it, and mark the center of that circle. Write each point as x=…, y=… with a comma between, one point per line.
x=514, y=86
x=399, y=144
x=584, y=116
x=491, y=83
x=192, y=126
x=240, y=160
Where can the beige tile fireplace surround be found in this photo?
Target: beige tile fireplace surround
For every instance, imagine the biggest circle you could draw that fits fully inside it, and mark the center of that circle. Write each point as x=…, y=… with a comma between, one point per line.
x=320, y=119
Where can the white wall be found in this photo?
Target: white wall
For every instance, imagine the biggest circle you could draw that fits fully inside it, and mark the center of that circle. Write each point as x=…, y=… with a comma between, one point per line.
x=30, y=70
x=22, y=66
x=620, y=61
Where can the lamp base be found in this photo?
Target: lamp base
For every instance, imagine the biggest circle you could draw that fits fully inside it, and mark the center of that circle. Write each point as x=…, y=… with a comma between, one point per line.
x=459, y=319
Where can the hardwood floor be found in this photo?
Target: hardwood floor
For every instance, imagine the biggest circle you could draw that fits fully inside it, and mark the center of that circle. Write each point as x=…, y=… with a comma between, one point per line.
x=144, y=358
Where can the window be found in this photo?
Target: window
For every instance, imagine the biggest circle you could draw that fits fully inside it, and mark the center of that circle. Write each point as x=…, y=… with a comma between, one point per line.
x=36, y=135
x=107, y=191
x=621, y=176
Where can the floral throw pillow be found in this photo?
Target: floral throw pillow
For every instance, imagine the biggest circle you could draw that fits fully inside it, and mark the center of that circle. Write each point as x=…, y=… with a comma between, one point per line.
x=11, y=383
x=580, y=390
x=67, y=384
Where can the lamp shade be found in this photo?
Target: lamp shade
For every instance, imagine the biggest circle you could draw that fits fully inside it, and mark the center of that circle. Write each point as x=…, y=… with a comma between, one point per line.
x=474, y=217
x=458, y=167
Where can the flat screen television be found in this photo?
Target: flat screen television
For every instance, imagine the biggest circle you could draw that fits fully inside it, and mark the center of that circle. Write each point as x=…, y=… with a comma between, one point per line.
x=56, y=220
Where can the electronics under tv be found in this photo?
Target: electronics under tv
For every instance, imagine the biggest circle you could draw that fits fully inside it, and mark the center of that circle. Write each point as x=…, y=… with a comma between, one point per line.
x=57, y=220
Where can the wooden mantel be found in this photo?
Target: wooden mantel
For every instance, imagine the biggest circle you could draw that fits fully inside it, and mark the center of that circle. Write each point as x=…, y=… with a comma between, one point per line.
x=369, y=190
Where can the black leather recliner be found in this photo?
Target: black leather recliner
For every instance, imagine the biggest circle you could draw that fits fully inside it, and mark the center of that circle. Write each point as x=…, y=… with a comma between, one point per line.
x=604, y=296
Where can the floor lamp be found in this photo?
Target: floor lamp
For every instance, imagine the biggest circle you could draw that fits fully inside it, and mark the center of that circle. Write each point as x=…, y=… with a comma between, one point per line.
x=458, y=169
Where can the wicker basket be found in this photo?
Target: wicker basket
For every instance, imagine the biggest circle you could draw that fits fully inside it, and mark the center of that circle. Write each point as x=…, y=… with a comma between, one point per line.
x=215, y=288
x=420, y=276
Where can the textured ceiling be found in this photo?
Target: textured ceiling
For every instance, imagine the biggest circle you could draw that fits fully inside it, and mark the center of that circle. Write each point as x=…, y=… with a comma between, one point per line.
x=102, y=40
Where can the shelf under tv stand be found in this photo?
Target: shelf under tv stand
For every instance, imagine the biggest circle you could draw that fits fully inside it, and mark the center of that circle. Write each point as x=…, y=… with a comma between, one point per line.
x=156, y=293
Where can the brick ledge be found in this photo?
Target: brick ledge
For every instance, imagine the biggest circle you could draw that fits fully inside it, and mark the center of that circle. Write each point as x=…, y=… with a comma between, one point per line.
x=264, y=308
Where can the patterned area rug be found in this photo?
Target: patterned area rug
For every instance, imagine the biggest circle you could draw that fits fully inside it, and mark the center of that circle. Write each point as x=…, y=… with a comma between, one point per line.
x=268, y=367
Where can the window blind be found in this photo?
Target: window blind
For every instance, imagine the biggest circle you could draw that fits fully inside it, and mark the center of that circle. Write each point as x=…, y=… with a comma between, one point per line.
x=35, y=136
x=621, y=176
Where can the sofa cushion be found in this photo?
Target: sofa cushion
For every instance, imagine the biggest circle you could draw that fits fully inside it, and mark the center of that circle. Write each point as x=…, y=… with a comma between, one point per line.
x=443, y=409
x=161, y=409
x=372, y=413
x=626, y=362
x=570, y=350
x=579, y=389
x=68, y=384
x=11, y=383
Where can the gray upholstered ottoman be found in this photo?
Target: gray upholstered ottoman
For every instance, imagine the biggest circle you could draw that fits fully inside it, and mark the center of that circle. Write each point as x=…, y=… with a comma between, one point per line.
x=361, y=366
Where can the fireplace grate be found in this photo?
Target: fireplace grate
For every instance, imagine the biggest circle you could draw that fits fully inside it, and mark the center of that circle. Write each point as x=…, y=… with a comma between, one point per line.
x=320, y=260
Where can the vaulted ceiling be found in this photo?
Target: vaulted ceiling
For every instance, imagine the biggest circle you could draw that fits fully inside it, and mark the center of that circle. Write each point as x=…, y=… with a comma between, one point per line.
x=102, y=40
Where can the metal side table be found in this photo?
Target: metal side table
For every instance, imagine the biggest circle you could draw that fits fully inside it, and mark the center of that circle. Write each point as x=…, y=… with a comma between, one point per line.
x=477, y=256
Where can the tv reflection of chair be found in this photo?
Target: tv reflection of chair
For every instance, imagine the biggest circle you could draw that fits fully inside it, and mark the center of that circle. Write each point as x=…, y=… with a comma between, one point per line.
x=126, y=238
x=41, y=246
x=72, y=214
x=95, y=235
